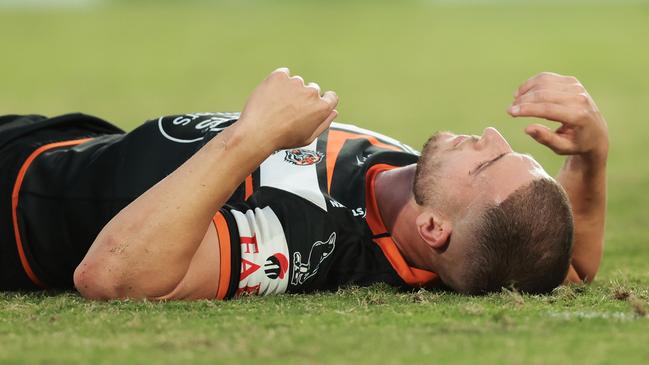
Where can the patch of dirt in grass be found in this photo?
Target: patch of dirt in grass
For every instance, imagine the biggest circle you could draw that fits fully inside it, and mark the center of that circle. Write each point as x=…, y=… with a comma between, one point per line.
x=423, y=296
x=638, y=306
x=620, y=292
x=513, y=296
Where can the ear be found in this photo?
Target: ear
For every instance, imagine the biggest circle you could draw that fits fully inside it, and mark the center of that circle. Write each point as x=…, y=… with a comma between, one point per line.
x=433, y=230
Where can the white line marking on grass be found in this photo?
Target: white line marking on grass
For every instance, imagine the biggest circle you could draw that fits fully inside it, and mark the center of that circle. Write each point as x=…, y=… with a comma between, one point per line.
x=620, y=316
x=48, y=4
x=534, y=2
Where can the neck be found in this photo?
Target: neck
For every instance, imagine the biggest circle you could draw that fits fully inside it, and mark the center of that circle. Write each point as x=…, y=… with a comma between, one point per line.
x=399, y=211
x=393, y=191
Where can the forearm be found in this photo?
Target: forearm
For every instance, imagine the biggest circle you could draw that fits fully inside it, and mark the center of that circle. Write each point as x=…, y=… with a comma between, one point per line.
x=584, y=179
x=147, y=249
x=159, y=232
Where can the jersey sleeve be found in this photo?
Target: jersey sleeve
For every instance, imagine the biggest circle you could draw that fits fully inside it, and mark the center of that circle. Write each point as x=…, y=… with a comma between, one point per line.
x=277, y=242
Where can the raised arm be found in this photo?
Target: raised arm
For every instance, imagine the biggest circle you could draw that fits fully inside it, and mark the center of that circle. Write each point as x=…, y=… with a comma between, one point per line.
x=583, y=137
x=150, y=248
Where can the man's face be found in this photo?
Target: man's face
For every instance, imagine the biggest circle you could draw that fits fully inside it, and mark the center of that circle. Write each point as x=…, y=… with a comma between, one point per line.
x=471, y=170
x=465, y=175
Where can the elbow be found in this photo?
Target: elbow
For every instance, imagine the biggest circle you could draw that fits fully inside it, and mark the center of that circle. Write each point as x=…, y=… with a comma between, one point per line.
x=110, y=272
x=97, y=283
x=92, y=283
x=100, y=277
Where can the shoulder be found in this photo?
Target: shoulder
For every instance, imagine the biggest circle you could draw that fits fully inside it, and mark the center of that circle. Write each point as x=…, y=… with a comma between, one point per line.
x=378, y=140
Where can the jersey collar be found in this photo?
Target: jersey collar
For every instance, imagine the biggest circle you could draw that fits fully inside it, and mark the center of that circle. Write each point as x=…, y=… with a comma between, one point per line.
x=412, y=276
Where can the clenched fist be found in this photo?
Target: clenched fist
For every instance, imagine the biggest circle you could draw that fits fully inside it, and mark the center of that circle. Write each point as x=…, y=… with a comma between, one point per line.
x=562, y=99
x=286, y=112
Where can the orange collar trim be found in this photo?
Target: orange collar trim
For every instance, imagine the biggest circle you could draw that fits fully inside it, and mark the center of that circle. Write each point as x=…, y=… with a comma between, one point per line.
x=412, y=276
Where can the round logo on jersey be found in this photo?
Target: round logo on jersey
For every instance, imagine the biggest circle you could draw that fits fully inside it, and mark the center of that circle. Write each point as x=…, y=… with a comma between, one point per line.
x=276, y=266
x=194, y=127
x=303, y=157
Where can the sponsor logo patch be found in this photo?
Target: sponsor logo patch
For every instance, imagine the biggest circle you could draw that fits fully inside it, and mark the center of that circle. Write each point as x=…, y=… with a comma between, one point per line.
x=194, y=127
x=276, y=266
x=264, y=252
x=303, y=270
x=302, y=157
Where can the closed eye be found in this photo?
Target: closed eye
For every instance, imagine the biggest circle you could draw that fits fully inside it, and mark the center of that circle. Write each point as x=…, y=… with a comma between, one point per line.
x=485, y=164
x=482, y=164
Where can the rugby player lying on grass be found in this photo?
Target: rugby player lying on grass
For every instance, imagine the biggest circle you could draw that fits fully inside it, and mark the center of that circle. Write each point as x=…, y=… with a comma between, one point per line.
x=325, y=205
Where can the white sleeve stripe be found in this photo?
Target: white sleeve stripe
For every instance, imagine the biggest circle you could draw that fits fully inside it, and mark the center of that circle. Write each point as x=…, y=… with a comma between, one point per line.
x=264, y=252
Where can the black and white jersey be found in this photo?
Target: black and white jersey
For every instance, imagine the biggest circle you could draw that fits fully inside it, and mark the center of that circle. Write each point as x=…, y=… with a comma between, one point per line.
x=73, y=173
x=285, y=243
x=278, y=242
x=331, y=164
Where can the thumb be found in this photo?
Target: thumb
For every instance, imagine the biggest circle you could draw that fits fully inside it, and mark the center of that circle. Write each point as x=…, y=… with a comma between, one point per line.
x=546, y=136
x=324, y=125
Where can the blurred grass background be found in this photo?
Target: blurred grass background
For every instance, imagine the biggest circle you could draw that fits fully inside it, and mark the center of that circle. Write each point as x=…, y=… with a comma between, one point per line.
x=403, y=68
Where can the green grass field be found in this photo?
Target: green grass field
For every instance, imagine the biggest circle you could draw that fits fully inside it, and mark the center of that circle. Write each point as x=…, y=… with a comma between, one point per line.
x=403, y=68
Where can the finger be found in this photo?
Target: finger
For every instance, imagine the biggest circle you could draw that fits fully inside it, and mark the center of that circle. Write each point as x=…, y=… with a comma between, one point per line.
x=327, y=122
x=567, y=88
x=552, y=96
x=549, y=111
x=331, y=98
x=315, y=86
x=324, y=125
x=284, y=71
x=544, y=78
x=538, y=78
x=298, y=79
x=558, y=86
x=545, y=136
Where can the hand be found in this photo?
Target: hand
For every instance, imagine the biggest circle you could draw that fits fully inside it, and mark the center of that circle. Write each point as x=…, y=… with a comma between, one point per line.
x=562, y=99
x=287, y=113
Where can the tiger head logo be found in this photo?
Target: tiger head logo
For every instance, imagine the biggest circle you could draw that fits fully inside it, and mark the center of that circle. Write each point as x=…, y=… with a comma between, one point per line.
x=303, y=157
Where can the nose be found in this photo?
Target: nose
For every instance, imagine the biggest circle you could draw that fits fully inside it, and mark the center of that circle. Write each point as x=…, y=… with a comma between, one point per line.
x=491, y=138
